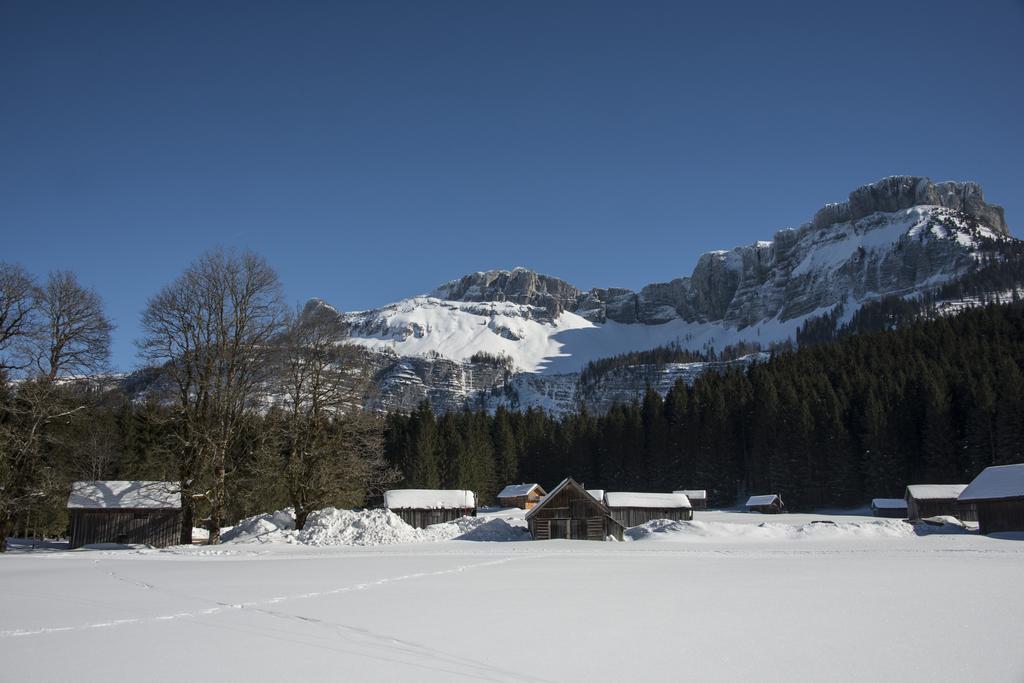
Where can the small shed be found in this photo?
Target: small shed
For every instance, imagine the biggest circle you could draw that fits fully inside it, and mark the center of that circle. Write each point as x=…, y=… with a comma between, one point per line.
x=933, y=500
x=570, y=511
x=523, y=496
x=698, y=498
x=633, y=509
x=769, y=504
x=137, y=512
x=422, y=507
x=997, y=495
x=889, y=507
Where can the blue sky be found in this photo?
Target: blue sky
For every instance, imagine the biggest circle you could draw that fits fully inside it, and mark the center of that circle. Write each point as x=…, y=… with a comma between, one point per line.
x=373, y=150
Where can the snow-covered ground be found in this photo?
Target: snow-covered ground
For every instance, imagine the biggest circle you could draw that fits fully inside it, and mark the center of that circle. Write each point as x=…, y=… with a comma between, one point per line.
x=729, y=596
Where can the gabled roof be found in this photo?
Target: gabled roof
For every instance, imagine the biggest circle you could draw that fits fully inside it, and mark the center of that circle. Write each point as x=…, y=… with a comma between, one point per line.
x=125, y=495
x=889, y=504
x=518, y=490
x=429, y=499
x=694, y=494
x=568, y=481
x=625, y=499
x=996, y=483
x=766, y=499
x=935, y=491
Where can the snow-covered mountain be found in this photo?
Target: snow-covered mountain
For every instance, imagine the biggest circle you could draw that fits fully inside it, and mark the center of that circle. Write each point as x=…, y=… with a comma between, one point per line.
x=521, y=337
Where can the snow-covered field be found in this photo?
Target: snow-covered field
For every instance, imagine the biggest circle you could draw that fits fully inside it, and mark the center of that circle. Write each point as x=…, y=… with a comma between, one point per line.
x=729, y=596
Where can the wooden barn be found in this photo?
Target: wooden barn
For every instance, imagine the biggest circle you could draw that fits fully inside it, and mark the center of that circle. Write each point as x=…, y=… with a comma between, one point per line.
x=522, y=496
x=768, y=504
x=997, y=495
x=137, y=512
x=698, y=498
x=889, y=507
x=569, y=511
x=934, y=500
x=422, y=507
x=634, y=509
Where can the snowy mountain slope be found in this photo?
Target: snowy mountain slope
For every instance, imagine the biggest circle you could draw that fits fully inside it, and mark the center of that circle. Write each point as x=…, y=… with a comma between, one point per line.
x=520, y=339
x=883, y=241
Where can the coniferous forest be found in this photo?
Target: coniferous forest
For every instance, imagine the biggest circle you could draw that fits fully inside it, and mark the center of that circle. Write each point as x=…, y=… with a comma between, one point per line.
x=834, y=424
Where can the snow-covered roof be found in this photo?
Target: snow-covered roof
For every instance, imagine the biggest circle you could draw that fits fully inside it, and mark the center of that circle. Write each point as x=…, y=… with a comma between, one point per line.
x=935, y=491
x=598, y=494
x=126, y=495
x=553, y=492
x=694, y=494
x=767, y=499
x=396, y=499
x=889, y=503
x=626, y=499
x=1000, y=481
x=517, y=490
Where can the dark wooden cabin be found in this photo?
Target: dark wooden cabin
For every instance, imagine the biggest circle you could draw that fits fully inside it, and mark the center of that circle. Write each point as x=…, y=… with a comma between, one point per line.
x=422, y=507
x=768, y=504
x=569, y=511
x=997, y=495
x=128, y=512
x=895, y=508
x=698, y=498
x=634, y=509
x=934, y=500
x=522, y=496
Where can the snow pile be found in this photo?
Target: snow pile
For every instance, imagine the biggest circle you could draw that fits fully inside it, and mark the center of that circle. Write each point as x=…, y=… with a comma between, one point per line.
x=695, y=531
x=275, y=527
x=331, y=527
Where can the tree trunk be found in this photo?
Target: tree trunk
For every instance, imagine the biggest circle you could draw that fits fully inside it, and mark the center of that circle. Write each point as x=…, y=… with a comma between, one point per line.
x=301, y=514
x=188, y=514
x=217, y=511
x=6, y=524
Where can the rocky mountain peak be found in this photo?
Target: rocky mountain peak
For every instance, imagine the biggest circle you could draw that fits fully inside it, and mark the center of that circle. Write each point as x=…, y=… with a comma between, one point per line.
x=900, y=192
x=519, y=285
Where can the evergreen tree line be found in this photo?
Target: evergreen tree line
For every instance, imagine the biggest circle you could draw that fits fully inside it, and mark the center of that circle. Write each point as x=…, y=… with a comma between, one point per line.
x=834, y=424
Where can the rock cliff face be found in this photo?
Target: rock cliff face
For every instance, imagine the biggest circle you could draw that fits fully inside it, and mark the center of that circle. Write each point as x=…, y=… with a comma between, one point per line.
x=903, y=235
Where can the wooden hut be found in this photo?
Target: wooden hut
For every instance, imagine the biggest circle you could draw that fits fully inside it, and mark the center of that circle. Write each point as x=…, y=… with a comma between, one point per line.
x=422, y=507
x=569, y=511
x=522, y=496
x=889, y=507
x=633, y=509
x=137, y=512
x=698, y=498
x=769, y=504
x=997, y=495
x=934, y=500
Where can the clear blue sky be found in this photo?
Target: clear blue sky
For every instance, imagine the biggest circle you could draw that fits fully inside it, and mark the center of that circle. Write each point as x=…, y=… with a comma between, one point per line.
x=373, y=150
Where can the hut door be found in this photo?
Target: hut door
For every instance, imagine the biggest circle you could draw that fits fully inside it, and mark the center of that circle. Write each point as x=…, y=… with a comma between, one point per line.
x=559, y=528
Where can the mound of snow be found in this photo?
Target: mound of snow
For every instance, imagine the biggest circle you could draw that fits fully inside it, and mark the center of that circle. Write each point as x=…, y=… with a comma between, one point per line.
x=489, y=529
x=695, y=531
x=275, y=527
x=332, y=526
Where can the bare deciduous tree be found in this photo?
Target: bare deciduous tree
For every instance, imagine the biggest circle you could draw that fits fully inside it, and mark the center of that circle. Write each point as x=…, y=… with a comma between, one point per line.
x=318, y=458
x=17, y=316
x=74, y=334
x=210, y=331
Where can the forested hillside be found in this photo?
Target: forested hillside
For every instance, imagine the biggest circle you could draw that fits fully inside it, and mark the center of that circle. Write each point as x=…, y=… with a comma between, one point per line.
x=834, y=424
